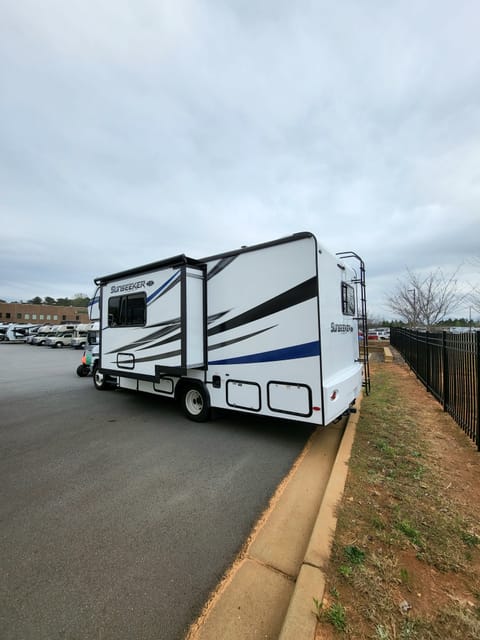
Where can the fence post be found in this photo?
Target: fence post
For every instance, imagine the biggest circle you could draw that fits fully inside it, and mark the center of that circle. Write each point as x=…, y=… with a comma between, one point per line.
x=427, y=361
x=416, y=353
x=477, y=344
x=445, y=370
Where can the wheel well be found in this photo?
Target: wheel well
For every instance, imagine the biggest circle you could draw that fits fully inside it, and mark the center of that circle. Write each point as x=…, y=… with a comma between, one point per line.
x=189, y=382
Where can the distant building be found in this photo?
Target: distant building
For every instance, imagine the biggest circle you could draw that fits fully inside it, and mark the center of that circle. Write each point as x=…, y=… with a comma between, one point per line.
x=41, y=313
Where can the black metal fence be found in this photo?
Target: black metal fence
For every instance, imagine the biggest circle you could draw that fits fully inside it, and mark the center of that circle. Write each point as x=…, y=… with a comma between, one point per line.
x=448, y=364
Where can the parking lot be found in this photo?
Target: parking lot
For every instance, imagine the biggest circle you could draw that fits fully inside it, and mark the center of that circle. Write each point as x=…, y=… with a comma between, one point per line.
x=118, y=515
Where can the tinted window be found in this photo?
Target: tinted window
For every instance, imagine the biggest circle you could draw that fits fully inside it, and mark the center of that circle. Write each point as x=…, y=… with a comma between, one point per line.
x=129, y=310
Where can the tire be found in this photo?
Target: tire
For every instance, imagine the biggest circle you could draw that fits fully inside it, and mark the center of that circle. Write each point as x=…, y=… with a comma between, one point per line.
x=83, y=370
x=102, y=382
x=58, y=345
x=195, y=402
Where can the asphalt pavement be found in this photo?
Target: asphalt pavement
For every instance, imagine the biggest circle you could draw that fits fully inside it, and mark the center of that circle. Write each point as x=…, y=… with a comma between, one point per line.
x=270, y=590
x=119, y=516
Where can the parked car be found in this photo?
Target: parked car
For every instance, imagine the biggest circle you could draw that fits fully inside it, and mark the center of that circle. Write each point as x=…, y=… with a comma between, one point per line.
x=379, y=334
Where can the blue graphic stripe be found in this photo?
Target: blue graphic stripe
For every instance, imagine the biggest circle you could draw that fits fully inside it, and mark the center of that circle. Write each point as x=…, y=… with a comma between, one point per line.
x=161, y=288
x=306, y=350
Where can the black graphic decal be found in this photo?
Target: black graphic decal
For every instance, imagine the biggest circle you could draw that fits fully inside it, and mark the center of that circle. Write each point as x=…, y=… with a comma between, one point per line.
x=220, y=266
x=226, y=343
x=171, y=325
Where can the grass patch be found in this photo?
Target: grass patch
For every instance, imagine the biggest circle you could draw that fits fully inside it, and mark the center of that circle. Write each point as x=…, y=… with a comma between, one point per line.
x=399, y=535
x=411, y=533
x=334, y=614
x=354, y=554
x=470, y=539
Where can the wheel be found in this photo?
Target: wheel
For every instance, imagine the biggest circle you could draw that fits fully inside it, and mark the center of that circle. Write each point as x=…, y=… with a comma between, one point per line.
x=83, y=370
x=59, y=345
x=101, y=381
x=195, y=402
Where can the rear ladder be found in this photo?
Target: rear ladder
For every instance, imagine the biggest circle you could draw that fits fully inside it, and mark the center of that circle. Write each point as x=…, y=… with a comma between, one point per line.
x=362, y=317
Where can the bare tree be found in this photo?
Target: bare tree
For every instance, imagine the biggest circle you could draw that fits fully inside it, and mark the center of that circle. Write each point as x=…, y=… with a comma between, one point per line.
x=425, y=300
x=474, y=296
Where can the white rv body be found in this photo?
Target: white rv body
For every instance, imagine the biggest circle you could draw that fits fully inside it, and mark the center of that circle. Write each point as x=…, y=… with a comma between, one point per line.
x=270, y=329
x=18, y=332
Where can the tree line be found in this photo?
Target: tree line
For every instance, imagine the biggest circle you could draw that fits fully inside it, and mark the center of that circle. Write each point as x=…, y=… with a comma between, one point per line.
x=78, y=300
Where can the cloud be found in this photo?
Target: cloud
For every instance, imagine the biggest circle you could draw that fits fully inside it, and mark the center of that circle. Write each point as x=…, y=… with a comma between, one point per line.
x=129, y=133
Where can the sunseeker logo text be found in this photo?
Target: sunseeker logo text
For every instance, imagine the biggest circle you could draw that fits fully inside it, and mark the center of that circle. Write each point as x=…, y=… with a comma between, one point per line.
x=130, y=286
x=340, y=328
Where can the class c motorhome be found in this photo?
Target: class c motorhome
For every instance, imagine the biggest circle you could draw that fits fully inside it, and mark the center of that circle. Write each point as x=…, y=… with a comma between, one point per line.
x=80, y=335
x=17, y=332
x=44, y=332
x=270, y=329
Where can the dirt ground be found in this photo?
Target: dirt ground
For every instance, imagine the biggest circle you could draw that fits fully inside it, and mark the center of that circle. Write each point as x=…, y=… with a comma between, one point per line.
x=457, y=460
x=427, y=590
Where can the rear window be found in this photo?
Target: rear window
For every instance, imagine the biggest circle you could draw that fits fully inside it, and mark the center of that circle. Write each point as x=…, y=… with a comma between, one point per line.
x=348, y=299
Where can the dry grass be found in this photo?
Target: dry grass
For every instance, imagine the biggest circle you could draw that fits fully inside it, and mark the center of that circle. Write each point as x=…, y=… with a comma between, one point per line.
x=406, y=557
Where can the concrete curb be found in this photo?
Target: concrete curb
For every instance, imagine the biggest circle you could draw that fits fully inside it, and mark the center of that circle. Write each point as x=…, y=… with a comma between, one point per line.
x=300, y=620
x=269, y=590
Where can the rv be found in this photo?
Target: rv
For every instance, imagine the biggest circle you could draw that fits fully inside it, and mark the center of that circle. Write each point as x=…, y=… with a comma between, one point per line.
x=270, y=329
x=62, y=336
x=60, y=339
x=42, y=334
x=46, y=334
x=17, y=332
x=80, y=334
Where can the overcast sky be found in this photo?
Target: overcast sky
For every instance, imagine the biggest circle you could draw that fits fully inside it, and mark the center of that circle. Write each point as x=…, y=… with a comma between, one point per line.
x=134, y=131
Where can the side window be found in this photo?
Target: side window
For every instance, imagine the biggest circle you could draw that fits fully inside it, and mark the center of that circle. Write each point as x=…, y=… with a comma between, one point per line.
x=127, y=311
x=135, y=309
x=92, y=337
x=114, y=311
x=348, y=300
